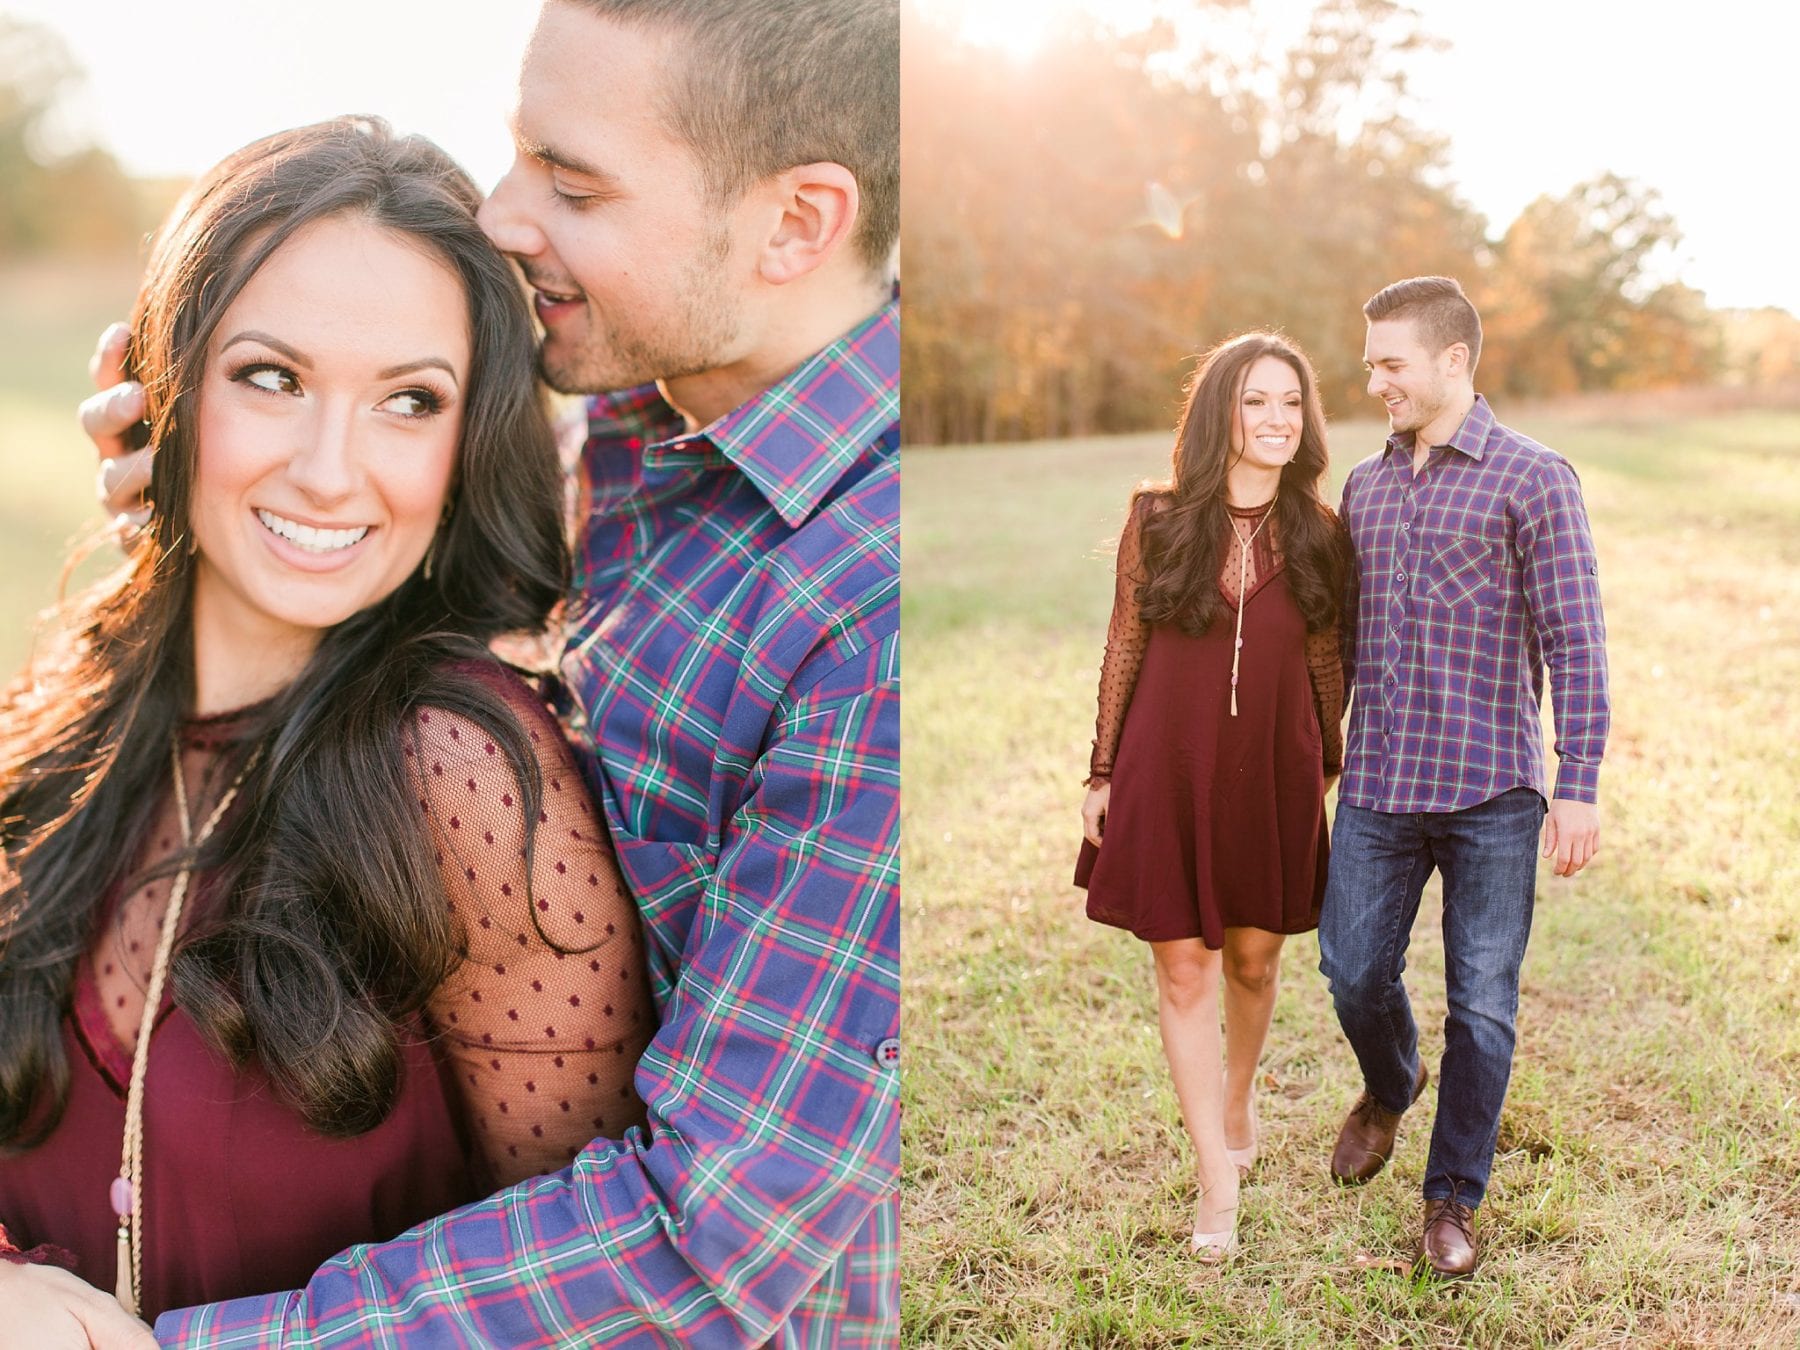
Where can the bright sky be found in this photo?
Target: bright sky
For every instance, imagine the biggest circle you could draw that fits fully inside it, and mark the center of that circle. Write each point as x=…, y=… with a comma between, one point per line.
x=175, y=85
x=1535, y=95
x=1538, y=95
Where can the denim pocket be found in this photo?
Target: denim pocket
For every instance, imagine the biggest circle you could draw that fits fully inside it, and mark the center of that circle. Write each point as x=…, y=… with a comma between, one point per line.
x=1458, y=571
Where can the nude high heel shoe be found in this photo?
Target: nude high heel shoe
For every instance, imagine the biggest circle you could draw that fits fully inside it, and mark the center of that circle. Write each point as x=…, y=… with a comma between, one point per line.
x=1214, y=1249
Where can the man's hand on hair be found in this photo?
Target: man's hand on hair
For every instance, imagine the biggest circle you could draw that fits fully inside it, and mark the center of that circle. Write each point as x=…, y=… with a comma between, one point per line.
x=107, y=416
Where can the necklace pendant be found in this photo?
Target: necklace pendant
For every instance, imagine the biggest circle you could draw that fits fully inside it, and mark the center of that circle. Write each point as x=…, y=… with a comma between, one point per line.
x=125, y=1286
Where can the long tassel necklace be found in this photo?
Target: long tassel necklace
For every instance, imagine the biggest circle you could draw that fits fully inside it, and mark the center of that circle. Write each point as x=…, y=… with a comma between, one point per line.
x=1237, y=646
x=127, y=1192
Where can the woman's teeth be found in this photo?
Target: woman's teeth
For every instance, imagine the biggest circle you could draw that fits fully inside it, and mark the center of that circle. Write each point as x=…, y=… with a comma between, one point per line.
x=307, y=537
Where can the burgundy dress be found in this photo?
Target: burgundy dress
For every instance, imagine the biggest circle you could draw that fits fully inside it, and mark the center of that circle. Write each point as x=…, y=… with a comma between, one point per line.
x=240, y=1196
x=1214, y=821
x=525, y=1054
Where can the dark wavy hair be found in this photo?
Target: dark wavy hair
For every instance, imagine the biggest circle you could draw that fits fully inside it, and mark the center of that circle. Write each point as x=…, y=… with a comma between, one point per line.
x=334, y=927
x=1184, y=544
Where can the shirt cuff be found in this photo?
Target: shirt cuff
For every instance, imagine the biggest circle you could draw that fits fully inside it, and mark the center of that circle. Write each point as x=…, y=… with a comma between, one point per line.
x=1578, y=782
x=242, y=1323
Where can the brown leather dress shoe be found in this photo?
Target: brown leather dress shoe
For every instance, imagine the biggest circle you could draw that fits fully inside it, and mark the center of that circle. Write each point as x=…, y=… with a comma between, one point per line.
x=1367, y=1139
x=1449, y=1246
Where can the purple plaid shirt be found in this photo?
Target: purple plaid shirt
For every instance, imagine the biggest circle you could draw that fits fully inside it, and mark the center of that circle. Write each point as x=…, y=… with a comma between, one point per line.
x=1471, y=577
x=733, y=666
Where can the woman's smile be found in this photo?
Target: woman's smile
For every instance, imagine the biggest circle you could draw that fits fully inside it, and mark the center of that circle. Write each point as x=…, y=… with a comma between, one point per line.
x=321, y=540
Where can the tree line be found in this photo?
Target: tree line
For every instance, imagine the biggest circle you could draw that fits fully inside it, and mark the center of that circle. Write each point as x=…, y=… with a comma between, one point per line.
x=57, y=199
x=1078, y=225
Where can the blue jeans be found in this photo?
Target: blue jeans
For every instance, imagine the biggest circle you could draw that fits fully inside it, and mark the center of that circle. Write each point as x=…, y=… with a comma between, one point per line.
x=1379, y=865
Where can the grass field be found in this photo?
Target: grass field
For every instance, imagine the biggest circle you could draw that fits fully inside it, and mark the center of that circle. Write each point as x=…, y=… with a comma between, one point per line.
x=50, y=315
x=1647, y=1189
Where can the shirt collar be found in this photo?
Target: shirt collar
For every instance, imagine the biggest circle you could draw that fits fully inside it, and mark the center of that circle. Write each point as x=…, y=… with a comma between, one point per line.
x=796, y=439
x=1471, y=437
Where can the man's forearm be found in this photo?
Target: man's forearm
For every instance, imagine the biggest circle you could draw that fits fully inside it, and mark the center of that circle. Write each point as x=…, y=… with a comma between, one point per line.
x=772, y=1091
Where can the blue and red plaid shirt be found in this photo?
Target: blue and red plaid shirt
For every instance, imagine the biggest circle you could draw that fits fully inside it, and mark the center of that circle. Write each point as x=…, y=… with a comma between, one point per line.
x=733, y=665
x=1473, y=575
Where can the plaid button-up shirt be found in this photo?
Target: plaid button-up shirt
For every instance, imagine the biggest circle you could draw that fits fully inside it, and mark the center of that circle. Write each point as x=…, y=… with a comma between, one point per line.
x=733, y=665
x=1473, y=575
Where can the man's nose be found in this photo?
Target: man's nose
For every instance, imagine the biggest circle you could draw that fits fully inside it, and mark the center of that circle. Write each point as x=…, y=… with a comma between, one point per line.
x=504, y=218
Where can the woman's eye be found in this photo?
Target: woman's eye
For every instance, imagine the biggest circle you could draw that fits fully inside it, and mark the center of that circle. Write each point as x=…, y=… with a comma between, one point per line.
x=413, y=403
x=275, y=379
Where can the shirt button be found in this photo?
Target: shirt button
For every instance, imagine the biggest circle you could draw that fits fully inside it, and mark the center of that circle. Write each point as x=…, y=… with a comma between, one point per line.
x=1399, y=576
x=1406, y=524
x=887, y=1054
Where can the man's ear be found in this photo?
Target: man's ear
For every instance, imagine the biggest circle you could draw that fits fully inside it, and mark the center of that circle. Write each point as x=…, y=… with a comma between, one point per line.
x=816, y=207
x=1458, y=352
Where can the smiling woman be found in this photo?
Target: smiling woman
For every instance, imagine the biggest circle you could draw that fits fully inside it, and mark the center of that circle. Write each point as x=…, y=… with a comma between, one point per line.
x=328, y=434
x=272, y=767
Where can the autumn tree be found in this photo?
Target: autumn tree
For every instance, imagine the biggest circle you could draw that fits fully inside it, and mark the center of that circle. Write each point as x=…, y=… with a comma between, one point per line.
x=1573, y=301
x=69, y=201
x=1077, y=226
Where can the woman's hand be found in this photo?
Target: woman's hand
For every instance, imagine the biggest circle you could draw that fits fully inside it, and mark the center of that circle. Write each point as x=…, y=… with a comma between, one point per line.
x=46, y=1308
x=1093, y=811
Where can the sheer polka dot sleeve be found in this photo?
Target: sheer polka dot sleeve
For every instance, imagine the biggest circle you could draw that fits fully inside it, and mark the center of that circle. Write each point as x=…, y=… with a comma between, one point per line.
x=547, y=1015
x=1324, y=664
x=1127, y=635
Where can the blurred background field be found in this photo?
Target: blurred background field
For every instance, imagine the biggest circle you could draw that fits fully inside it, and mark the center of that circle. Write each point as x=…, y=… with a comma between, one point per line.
x=51, y=313
x=1647, y=1191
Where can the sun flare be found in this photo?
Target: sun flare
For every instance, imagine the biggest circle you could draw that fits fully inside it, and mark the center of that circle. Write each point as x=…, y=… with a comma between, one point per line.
x=1018, y=28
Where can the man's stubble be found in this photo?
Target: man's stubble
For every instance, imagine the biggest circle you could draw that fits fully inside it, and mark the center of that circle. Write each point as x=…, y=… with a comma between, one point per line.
x=697, y=331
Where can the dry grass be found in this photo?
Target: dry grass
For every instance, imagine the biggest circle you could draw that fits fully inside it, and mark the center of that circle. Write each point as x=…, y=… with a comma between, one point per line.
x=1647, y=1191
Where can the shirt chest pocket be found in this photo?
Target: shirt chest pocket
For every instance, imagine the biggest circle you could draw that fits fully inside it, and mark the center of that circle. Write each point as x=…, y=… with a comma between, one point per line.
x=1457, y=571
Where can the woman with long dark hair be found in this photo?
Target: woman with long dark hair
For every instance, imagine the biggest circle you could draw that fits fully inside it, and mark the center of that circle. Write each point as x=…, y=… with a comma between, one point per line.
x=308, y=929
x=1220, y=698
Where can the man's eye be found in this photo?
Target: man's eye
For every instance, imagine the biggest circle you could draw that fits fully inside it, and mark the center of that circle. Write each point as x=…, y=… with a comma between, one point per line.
x=576, y=200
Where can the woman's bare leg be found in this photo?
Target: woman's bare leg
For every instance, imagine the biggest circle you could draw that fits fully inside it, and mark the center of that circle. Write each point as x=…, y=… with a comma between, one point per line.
x=1187, y=984
x=1252, y=965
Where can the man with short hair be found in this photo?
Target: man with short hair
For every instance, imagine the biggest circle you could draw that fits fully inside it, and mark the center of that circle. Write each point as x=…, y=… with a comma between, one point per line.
x=705, y=200
x=1474, y=568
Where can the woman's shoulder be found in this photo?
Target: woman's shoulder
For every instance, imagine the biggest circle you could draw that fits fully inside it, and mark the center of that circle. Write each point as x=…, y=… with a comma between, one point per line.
x=1150, y=499
x=455, y=728
x=1152, y=496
